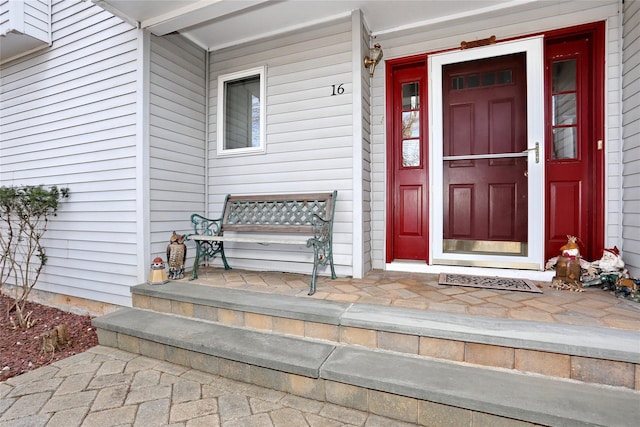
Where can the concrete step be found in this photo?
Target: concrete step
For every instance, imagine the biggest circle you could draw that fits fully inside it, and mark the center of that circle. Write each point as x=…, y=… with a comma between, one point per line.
x=589, y=354
x=401, y=386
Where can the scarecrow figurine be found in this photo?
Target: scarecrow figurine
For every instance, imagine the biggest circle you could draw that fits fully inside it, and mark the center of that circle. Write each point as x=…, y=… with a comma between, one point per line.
x=568, y=269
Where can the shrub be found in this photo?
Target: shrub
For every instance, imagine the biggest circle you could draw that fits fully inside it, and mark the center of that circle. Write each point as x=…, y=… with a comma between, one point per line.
x=24, y=216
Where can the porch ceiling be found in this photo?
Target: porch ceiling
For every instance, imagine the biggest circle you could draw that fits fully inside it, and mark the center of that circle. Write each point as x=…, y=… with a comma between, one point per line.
x=215, y=24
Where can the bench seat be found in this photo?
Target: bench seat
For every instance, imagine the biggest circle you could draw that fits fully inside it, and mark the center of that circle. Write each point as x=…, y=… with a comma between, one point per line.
x=309, y=215
x=261, y=240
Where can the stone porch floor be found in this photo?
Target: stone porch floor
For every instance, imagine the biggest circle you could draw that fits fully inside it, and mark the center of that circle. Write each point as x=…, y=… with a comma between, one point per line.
x=593, y=307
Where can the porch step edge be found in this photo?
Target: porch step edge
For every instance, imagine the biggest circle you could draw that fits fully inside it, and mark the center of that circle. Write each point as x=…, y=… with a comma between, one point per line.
x=291, y=307
x=603, y=343
x=282, y=353
x=526, y=397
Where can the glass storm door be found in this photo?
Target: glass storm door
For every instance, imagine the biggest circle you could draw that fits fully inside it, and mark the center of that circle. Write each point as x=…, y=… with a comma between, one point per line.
x=488, y=171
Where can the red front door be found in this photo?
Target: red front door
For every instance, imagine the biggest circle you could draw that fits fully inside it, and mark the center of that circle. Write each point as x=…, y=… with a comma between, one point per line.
x=485, y=178
x=485, y=195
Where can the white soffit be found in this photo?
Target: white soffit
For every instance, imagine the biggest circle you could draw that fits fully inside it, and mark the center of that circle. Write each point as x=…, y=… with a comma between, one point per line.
x=215, y=24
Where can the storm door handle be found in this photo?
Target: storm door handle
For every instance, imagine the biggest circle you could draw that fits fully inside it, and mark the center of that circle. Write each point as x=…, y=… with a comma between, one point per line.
x=536, y=149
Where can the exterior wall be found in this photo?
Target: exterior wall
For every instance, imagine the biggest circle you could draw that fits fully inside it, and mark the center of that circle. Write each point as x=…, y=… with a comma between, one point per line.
x=177, y=118
x=4, y=16
x=531, y=18
x=36, y=19
x=30, y=17
x=69, y=119
x=25, y=26
x=631, y=135
x=309, y=136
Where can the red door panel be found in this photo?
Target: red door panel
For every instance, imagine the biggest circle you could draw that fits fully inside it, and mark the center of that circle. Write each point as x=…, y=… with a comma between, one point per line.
x=411, y=204
x=573, y=164
x=485, y=113
x=461, y=201
x=408, y=234
x=565, y=220
x=502, y=217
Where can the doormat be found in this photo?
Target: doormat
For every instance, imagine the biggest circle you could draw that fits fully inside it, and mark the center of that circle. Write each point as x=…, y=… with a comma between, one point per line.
x=502, y=283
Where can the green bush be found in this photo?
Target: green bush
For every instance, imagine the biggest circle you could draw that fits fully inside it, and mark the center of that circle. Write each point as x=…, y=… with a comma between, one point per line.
x=24, y=216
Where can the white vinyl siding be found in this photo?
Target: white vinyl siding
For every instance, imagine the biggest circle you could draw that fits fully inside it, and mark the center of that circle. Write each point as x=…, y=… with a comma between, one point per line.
x=631, y=134
x=309, y=137
x=534, y=18
x=177, y=134
x=29, y=17
x=4, y=16
x=25, y=26
x=37, y=19
x=68, y=119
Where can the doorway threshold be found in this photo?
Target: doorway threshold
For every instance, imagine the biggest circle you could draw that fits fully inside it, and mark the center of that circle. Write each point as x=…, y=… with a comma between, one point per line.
x=422, y=267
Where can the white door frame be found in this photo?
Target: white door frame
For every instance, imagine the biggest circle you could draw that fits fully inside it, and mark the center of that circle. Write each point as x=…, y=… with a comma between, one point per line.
x=534, y=260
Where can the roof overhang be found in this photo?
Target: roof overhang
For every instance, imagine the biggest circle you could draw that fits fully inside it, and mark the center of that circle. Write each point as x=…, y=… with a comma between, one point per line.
x=216, y=24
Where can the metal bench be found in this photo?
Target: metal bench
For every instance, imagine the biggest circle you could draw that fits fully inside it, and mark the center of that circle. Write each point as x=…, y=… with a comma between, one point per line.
x=293, y=214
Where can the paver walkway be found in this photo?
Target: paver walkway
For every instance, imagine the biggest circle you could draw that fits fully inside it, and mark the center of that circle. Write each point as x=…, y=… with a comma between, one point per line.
x=110, y=387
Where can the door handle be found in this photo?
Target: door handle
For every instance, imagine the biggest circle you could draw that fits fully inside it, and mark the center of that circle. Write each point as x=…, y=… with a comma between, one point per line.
x=536, y=149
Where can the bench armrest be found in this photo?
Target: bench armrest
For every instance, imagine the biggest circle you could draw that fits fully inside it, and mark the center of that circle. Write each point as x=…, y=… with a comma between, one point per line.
x=322, y=229
x=205, y=226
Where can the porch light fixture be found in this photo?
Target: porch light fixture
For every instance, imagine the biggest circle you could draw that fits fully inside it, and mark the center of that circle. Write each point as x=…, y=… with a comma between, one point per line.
x=374, y=57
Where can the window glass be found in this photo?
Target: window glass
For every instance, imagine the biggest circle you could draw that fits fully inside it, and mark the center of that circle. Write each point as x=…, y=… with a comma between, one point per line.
x=410, y=96
x=564, y=108
x=473, y=80
x=504, y=76
x=410, y=153
x=564, y=143
x=241, y=112
x=411, y=124
x=564, y=75
x=488, y=79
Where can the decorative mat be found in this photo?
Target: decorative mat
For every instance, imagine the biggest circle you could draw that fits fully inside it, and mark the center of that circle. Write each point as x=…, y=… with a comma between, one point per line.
x=502, y=283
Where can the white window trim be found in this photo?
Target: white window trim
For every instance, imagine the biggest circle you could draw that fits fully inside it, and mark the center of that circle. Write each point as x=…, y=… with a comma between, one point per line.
x=222, y=79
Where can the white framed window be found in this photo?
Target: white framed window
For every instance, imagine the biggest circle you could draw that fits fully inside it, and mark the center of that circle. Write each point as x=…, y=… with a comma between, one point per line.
x=241, y=112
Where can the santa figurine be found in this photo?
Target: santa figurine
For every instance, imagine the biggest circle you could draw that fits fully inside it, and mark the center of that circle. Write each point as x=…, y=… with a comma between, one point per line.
x=611, y=261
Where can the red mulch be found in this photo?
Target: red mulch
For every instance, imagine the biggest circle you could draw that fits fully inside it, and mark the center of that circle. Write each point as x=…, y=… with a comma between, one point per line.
x=20, y=349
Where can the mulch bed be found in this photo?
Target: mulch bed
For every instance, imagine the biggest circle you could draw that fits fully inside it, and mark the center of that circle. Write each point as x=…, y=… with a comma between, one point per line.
x=21, y=349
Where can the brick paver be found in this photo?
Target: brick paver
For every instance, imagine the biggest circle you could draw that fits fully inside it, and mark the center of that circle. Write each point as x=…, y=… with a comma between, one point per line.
x=132, y=390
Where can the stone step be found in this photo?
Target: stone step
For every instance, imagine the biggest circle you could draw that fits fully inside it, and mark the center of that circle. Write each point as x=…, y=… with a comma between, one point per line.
x=403, y=387
x=531, y=398
x=589, y=354
x=281, y=353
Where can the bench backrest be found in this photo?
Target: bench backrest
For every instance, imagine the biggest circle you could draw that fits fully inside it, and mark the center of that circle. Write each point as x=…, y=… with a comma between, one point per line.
x=282, y=212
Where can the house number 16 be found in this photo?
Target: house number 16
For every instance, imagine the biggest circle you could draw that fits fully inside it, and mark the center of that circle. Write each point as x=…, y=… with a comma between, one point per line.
x=337, y=89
